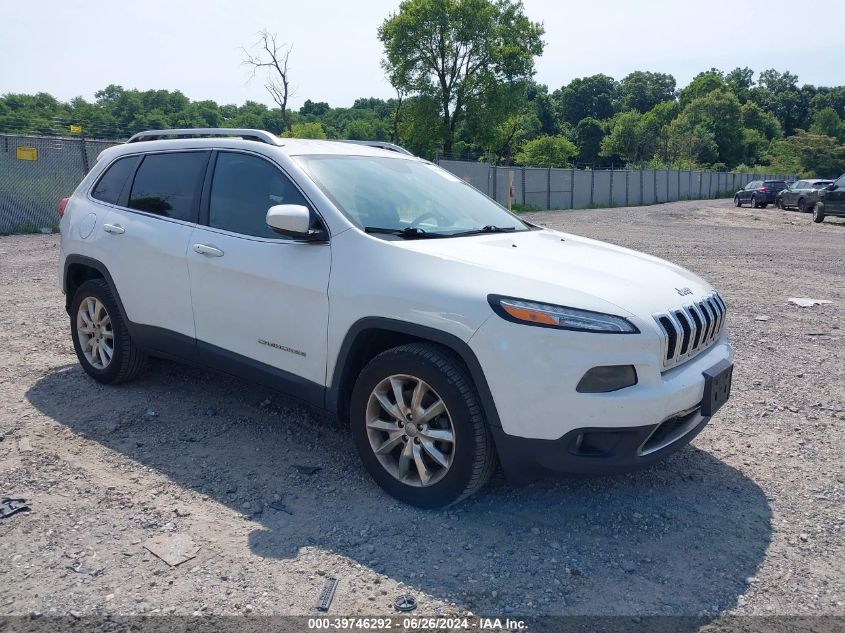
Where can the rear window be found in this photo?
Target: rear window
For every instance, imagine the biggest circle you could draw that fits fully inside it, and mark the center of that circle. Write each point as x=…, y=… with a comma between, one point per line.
x=821, y=184
x=167, y=184
x=775, y=184
x=110, y=185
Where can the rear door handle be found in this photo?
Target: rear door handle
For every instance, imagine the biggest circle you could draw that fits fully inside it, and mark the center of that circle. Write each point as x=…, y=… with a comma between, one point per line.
x=208, y=251
x=114, y=229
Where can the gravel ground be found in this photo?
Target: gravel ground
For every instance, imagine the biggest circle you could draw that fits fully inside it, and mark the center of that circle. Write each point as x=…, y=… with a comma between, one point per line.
x=747, y=520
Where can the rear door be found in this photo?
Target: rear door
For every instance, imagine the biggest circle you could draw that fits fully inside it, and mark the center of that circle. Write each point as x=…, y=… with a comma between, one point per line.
x=260, y=299
x=144, y=244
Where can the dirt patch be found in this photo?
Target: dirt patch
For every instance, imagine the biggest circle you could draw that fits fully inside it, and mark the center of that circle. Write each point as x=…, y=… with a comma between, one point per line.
x=748, y=519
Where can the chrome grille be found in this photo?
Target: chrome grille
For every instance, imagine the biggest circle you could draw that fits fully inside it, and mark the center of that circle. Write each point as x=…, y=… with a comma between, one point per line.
x=691, y=329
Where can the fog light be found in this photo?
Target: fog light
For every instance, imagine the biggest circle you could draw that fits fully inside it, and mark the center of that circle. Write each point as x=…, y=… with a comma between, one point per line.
x=607, y=378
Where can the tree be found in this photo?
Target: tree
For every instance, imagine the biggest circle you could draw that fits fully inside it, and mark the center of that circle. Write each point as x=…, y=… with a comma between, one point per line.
x=701, y=85
x=740, y=81
x=756, y=118
x=456, y=50
x=272, y=58
x=595, y=96
x=548, y=151
x=318, y=109
x=719, y=113
x=808, y=155
x=642, y=91
x=307, y=130
x=629, y=138
x=588, y=138
x=827, y=123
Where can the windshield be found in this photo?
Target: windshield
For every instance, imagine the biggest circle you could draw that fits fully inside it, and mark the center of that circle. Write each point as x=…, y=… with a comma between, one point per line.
x=406, y=197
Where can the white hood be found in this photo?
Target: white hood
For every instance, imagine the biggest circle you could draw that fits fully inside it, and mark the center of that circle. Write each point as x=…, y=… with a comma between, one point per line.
x=558, y=267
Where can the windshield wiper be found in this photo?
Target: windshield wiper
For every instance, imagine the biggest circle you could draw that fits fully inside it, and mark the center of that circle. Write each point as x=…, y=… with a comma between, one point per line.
x=409, y=232
x=490, y=228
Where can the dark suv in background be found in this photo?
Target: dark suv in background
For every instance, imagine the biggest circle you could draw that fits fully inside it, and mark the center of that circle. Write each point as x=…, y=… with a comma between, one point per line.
x=831, y=201
x=759, y=193
x=802, y=194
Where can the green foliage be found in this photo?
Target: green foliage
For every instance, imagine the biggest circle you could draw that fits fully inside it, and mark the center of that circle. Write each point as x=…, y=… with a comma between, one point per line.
x=827, y=123
x=307, y=130
x=630, y=138
x=594, y=97
x=642, y=91
x=756, y=118
x=716, y=116
x=588, y=138
x=548, y=151
x=457, y=51
x=808, y=155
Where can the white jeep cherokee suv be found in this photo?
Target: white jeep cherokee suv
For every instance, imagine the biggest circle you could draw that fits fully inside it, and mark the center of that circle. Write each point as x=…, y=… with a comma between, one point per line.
x=381, y=288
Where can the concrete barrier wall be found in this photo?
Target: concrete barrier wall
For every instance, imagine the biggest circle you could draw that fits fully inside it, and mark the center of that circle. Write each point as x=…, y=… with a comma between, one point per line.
x=555, y=188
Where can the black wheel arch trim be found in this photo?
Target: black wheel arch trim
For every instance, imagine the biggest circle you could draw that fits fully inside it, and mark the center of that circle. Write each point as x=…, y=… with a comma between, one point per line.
x=422, y=332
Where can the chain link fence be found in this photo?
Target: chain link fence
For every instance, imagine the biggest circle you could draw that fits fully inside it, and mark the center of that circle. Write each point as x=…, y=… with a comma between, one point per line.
x=36, y=172
x=553, y=188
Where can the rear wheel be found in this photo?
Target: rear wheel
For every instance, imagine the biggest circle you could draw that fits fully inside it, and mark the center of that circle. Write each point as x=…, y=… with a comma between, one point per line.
x=100, y=337
x=801, y=205
x=818, y=213
x=419, y=428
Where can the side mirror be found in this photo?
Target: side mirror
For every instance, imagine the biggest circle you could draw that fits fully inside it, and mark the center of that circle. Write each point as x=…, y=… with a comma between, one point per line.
x=292, y=220
x=831, y=187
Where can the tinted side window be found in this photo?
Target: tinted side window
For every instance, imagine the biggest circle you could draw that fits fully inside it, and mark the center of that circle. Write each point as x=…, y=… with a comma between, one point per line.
x=166, y=184
x=111, y=183
x=243, y=188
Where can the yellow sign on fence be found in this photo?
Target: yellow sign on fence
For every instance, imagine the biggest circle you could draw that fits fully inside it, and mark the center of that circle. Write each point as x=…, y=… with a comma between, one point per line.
x=75, y=129
x=26, y=153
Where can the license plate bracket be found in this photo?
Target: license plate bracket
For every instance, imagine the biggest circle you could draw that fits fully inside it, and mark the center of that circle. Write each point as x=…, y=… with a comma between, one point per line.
x=717, y=387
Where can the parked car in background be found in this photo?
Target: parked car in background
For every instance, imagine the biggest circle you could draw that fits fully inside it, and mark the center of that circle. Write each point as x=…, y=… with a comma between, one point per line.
x=759, y=193
x=802, y=195
x=831, y=201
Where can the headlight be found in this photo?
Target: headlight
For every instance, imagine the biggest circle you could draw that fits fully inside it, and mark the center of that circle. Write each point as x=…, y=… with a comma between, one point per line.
x=560, y=317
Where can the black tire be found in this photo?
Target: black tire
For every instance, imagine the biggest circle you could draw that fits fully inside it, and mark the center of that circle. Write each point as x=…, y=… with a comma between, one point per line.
x=818, y=213
x=754, y=202
x=737, y=201
x=127, y=361
x=474, y=457
x=800, y=205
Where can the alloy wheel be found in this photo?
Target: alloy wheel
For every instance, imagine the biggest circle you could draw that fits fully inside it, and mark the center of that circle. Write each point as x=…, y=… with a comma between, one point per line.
x=95, y=333
x=410, y=430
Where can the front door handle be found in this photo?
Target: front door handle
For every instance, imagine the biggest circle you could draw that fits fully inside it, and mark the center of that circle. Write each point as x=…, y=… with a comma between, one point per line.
x=208, y=251
x=114, y=229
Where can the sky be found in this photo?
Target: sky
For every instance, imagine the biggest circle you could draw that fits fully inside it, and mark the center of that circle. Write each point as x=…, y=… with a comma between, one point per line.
x=76, y=48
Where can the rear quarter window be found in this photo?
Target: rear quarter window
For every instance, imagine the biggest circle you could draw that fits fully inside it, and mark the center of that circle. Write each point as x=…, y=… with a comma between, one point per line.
x=111, y=183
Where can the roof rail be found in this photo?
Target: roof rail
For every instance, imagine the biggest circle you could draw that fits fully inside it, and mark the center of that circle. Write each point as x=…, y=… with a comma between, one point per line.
x=261, y=136
x=380, y=145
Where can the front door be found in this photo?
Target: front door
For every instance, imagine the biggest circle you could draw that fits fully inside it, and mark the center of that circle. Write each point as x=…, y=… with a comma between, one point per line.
x=260, y=300
x=835, y=199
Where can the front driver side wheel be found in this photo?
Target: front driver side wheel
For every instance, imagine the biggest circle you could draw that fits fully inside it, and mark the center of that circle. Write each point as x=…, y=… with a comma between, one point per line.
x=419, y=428
x=737, y=202
x=818, y=213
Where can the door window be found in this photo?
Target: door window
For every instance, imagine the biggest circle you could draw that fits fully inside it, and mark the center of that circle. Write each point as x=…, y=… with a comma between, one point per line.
x=243, y=188
x=167, y=184
x=840, y=182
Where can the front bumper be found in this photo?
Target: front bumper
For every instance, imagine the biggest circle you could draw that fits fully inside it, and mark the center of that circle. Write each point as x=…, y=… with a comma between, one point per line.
x=546, y=424
x=597, y=450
